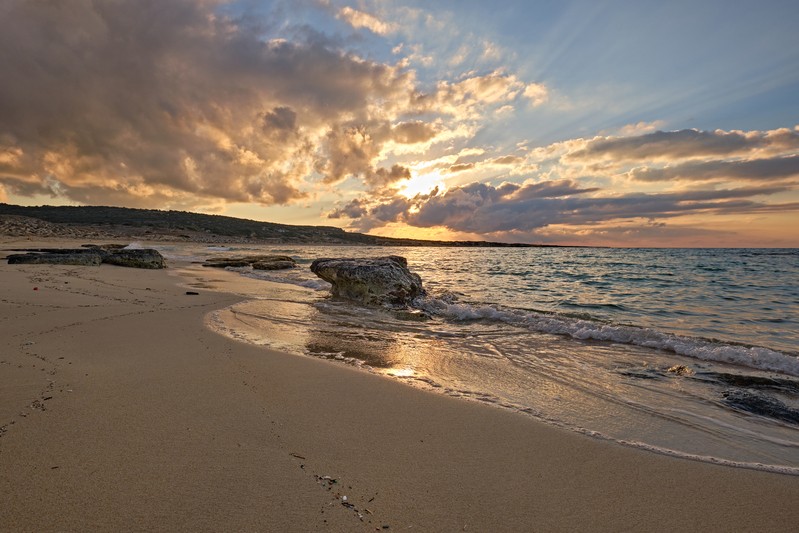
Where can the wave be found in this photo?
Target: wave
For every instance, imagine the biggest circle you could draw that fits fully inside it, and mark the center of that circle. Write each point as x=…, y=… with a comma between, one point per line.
x=756, y=357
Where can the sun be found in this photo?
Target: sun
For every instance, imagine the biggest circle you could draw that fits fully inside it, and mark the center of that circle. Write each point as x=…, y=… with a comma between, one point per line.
x=421, y=184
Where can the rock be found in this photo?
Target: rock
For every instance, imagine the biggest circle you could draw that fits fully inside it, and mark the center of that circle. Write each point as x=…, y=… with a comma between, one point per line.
x=91, y=255
x=61, y=250
x=263, y=262
x=268, y=258
x=761, y=405
x=79, y=257
x=224, y=263
x=107, y=247
x=273, y=265
x=377, y=281
x=137, y=258
x=680, y=370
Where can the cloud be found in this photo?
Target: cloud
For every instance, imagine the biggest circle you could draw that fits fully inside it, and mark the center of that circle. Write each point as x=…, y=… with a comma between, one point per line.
x=350, y=151
x=356, y=208
x=468, y=97
x=383, y=177
x=413, y=132
x=460, y=167
x=177, y=103
x=368, y=216
x=537, y=93
x=686, y=144
x=639, y=128
x=481, y=208
x=507, y=160
x=126, y=100
x=361, y=19
x=777, y=168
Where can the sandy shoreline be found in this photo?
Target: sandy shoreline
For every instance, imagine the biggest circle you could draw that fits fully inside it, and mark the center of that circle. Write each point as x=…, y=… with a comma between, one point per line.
x=121, y=411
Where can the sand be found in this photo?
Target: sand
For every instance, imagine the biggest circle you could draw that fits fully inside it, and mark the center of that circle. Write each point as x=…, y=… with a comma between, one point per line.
x=121, y=411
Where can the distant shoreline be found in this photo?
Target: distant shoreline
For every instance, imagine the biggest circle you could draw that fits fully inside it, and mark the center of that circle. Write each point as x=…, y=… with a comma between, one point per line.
x=151, y=225
x=155, y=225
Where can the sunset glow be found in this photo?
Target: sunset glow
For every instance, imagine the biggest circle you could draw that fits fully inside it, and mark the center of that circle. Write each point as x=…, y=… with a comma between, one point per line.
x=420, y=184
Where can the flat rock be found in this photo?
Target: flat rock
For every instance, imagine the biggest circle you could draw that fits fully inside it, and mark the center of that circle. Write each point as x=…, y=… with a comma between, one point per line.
x=375, y=281
x=80, y=257
x=90, y=256
x=273, y=265
x=225, y=263
x=259, y=262
x=136, y=258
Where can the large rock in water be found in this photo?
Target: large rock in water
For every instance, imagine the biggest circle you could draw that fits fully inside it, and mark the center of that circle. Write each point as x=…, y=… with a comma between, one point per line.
x=380, y=280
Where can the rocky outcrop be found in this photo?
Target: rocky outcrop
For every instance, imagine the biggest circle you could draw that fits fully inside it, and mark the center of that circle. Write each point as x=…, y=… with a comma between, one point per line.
x=258, y=262
x=375, y=281
x=90, y=256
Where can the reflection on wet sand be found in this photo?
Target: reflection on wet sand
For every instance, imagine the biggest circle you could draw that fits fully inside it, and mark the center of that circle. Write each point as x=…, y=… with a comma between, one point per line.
x=627, y=393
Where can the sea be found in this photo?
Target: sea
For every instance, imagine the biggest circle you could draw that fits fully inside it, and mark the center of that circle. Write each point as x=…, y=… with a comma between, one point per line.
x=685, y=352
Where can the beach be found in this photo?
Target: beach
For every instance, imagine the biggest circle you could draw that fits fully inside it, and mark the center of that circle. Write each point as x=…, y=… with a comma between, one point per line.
x=121, y=410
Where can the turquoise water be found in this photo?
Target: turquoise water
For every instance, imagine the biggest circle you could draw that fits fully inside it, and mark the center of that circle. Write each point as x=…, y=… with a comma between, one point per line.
x=686, y=352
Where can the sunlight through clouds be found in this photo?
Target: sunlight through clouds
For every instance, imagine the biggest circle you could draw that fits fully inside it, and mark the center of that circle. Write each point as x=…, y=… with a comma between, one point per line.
x=551, y=123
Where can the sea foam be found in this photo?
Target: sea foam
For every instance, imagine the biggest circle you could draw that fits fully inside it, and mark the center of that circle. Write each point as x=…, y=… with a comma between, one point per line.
x=705, y=349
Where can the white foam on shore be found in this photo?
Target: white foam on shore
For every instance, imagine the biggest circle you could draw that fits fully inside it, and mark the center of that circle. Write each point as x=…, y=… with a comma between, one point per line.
x=708, y=350
x=774, y=469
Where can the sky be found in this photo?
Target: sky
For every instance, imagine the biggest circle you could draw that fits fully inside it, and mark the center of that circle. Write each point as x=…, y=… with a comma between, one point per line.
x=614, y=123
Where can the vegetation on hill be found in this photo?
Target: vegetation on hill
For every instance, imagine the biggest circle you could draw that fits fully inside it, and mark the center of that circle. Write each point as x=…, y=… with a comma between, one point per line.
x=196, y=226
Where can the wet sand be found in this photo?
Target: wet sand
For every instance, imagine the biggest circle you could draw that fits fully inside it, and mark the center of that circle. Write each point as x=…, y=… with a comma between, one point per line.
x=120, y=410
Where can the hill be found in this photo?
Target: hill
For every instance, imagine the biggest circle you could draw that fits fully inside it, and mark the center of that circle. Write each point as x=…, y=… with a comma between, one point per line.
x=152, y=224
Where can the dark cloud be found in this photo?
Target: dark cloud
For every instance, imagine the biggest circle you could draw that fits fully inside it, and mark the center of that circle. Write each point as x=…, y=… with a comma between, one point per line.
x=460, y=167
x=280, y=120
x=413, y=132
x=173, y=100
x=484, y=209
x=686, y=144
x=382, y=176
x=507, y=160
x=351, y=150
x=356, y=208
x=367, y=214
x=775, y=168
x=551, y=189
